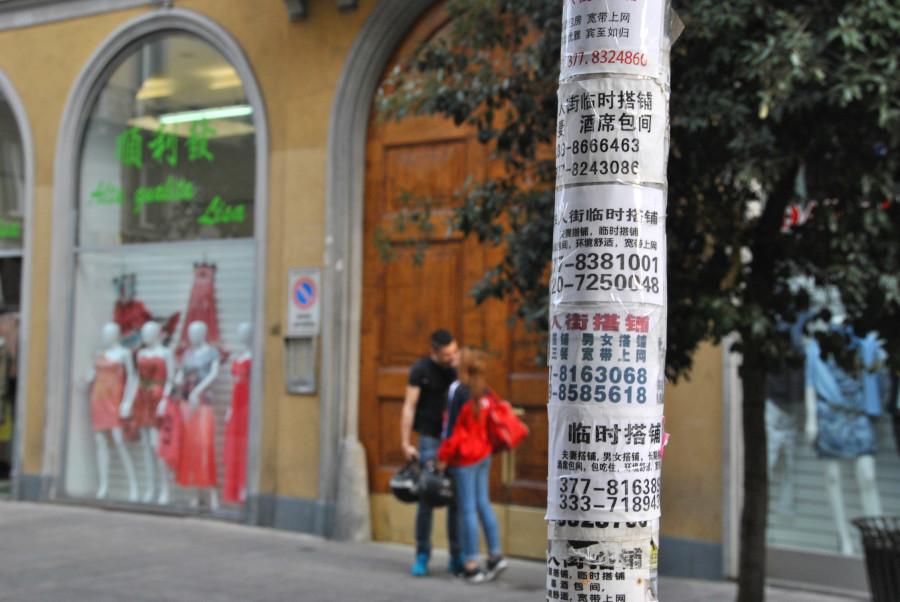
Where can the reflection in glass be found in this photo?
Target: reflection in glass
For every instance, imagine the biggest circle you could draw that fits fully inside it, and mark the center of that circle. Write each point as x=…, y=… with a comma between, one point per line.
x=832, y=456
x=168, y=152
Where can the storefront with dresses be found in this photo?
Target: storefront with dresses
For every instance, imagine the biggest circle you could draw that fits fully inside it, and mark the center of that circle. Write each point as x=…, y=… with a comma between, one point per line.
x=160, y=159
x=134, y=178
x=163, y=172
x=833, y=454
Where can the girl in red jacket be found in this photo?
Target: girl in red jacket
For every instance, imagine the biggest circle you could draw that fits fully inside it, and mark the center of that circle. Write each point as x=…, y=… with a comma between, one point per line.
x=467, y=451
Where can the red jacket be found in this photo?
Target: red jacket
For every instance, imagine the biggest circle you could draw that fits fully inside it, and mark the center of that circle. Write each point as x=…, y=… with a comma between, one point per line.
x=469, y=442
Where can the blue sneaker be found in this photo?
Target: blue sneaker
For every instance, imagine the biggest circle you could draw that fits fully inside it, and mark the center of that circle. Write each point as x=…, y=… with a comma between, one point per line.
x=456, y=564
x=420, y=566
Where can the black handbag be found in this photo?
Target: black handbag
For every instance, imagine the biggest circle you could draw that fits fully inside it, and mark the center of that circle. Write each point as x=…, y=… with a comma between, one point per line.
x=405, y=482
x=436, y=488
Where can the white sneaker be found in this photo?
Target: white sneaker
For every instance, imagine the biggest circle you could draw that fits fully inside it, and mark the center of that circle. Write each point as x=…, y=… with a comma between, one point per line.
x=495, y=566
x=475, y=575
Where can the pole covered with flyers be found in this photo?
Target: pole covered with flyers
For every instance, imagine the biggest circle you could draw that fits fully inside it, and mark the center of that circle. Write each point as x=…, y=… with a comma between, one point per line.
x=608, y=301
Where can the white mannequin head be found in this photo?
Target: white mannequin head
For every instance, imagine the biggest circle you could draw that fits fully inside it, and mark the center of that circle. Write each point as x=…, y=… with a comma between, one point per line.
x=197, y=333
x=244, y=331
x=150, y=333
x=110, y=334
x=835, y=305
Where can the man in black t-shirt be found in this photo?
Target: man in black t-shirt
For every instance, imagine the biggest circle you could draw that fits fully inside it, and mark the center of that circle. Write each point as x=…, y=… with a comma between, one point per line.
x=423, y=411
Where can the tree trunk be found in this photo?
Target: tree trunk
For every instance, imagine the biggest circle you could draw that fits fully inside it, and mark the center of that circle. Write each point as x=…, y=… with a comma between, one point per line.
x=763, y=246
x=751, y=581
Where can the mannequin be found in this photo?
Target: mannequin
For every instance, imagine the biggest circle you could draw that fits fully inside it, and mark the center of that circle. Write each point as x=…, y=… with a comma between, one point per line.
x=199, y=368
x=235, y=454
x=784, y=407
x=839, y=412
x=113, y=385
x=894, y=405
x=156, y=368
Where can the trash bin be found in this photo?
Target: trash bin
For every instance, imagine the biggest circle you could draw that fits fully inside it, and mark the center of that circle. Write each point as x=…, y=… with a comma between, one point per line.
x=881, y=545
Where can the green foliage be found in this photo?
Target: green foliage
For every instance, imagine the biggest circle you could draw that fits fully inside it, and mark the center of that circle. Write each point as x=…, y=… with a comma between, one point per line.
x=771, y=104
x=800, y=102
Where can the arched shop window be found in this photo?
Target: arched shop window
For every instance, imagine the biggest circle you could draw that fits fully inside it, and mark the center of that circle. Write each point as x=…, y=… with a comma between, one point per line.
x=12, y=217
x=163, y=295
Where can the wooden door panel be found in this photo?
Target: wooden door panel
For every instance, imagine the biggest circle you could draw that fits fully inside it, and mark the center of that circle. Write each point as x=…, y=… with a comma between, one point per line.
x=419, y=298
x=423, y=170
x=390, y=409
x=404, y=301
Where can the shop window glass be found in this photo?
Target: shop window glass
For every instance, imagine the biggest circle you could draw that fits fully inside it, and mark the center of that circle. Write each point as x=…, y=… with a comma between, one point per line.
x=168, y=152
x=162, y=307
x=12, y=203
x=833, y=439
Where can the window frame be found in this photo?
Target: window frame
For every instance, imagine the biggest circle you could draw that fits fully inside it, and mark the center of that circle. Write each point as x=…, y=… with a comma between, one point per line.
x=26, y=253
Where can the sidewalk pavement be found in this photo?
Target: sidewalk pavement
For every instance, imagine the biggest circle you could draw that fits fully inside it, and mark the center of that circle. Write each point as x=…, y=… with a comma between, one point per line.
x=51, y=552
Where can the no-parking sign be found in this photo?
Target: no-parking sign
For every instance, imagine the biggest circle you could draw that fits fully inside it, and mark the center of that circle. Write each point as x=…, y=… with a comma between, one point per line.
x=304, y=292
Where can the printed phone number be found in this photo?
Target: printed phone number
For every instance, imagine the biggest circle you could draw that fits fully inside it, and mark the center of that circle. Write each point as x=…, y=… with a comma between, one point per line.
x=601, y=145
x=599, y=385
x=636, y=495
x=602, y=168
x=635, y=262
x=605, y=57
x=605, y=282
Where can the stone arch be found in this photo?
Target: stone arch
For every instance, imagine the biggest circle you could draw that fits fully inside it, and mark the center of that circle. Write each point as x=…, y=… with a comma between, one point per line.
x=342, y=472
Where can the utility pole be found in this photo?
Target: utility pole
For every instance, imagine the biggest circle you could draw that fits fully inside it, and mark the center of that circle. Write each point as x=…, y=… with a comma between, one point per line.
x=608, y=302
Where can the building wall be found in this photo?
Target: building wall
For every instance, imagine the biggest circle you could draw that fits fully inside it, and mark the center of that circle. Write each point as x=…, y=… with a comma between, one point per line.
x=692, y=464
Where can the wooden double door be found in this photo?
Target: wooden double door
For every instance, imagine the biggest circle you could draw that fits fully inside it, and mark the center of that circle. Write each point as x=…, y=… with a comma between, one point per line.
x=420, y=289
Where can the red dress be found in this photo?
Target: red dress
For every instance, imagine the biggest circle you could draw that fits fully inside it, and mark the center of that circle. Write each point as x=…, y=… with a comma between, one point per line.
x=235, y=452
x=106, y=393
x=201, y=307
x=152, y=372
x=130, y=315
x=171, y=432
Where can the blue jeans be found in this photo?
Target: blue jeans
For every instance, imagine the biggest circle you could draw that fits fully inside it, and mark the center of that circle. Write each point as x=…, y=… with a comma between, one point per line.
x=428, y=447
x=474, y=501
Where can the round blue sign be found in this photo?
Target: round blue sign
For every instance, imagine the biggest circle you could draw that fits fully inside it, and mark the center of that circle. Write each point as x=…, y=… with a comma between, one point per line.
x=305, y=293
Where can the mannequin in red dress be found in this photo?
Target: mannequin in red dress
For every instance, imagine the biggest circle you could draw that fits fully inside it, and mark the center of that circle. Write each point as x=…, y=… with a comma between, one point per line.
x=156, y=369
x=113, y=383
x=199, y=368
x=234, y=455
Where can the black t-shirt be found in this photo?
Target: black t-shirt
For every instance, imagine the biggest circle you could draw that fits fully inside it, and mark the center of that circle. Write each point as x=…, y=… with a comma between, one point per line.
x=433, y=381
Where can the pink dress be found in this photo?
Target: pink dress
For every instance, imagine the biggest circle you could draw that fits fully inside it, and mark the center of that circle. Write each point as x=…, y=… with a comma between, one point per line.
x=235, y=452
x=197, y=464
x=106, y=393
x=152, y=372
